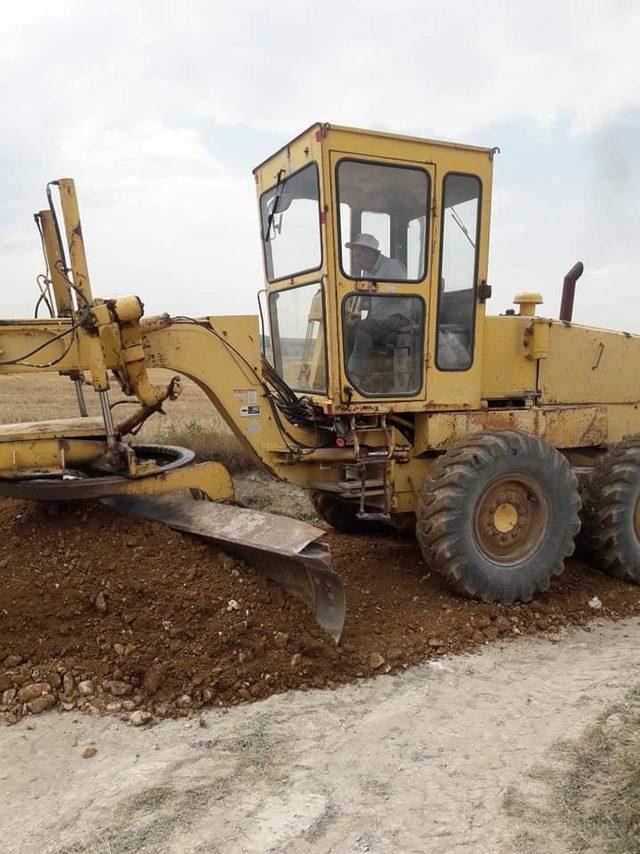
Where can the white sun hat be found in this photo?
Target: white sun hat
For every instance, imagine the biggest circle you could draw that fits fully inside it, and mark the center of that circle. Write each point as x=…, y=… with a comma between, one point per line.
x=368, y=241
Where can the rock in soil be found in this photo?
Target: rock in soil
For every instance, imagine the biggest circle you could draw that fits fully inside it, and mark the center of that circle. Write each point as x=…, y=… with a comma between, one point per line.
x=30, y=692
x=187, y=626
x=8, y=696
x=41, y=704
x=86, y=688
x=375, y=661
x=140, y=718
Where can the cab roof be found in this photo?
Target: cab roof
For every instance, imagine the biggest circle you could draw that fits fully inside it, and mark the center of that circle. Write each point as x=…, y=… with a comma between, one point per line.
x=325, y=127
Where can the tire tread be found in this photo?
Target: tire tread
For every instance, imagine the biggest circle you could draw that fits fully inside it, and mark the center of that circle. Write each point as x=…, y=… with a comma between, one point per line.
x=607, y=495
x=439, y=514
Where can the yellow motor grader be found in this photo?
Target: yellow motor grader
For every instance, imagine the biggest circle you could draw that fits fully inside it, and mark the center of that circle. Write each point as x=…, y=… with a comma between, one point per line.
x=373, y=377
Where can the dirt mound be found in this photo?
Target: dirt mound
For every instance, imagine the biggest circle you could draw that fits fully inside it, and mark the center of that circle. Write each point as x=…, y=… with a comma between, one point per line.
x=102, y=612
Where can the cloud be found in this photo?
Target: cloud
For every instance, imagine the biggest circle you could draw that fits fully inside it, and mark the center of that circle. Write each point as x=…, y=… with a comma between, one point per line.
x=130, y=98
x=163, y=216
x=614, y=289
x=432, y=66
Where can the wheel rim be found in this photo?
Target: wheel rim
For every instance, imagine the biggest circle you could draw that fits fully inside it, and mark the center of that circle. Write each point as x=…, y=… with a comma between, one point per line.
x=636, y=519
x=511, y=519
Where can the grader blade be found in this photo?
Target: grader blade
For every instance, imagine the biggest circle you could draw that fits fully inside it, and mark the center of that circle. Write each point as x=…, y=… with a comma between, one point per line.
x=285, y=550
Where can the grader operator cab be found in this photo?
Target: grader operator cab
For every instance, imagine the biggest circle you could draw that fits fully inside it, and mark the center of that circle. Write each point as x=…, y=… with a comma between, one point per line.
x=377, y=269
x=373, y=378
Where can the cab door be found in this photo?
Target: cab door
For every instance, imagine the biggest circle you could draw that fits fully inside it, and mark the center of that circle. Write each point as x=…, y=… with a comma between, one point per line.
x=382, y=248
x=461, y=238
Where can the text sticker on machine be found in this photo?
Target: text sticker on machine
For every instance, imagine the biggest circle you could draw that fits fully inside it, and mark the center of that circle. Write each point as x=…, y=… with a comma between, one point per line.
x=250, y=410
x=248, y=396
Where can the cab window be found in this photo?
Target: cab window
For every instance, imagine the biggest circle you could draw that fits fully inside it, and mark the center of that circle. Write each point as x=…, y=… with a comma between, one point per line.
x=290, y=219
x=383, y=343
x=458, y=272
x=298, y=338
x=382, y=221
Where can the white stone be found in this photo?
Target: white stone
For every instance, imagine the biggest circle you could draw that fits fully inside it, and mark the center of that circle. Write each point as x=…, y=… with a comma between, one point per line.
x=140, y=718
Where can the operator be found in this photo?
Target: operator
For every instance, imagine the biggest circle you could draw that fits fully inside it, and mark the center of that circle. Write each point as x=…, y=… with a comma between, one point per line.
x=366, y=256
x=386, y=315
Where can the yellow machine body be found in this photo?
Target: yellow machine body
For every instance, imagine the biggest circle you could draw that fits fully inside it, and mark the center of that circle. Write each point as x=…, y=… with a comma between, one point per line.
x=561, y=381
x=373, y=356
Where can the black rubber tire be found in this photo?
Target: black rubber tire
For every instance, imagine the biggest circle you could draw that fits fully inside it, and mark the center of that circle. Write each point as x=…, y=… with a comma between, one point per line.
x=608, y=533
x=451, y=498
x=342, y=515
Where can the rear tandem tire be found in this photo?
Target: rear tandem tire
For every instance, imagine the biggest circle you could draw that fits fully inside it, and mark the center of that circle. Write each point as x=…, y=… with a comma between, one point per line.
x=611, y=514
x=498, y=514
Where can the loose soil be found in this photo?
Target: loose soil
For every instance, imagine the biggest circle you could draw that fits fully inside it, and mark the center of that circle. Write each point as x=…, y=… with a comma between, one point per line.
x=102, y=612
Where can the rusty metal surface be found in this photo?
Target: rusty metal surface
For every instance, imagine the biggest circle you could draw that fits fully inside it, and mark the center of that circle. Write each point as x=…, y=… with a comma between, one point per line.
x=166, y=457
x=511, y=519
x=78, y=486
x=590, y=366
x=562, y=426
x=62, y=428
x=284, y=549
x=238, y=525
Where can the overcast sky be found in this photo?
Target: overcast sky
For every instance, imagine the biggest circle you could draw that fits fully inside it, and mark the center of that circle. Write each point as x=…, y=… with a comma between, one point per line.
x=160, y=110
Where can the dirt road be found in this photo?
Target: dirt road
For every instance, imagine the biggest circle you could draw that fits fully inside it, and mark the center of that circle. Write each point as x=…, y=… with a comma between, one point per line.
x=420, y=761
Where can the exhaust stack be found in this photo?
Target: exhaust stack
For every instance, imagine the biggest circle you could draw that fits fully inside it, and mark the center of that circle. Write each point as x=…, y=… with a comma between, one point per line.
x=569, y=291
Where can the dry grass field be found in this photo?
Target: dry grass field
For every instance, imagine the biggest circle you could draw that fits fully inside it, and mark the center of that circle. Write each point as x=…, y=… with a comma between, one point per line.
x=36, y=397
x=190, y=421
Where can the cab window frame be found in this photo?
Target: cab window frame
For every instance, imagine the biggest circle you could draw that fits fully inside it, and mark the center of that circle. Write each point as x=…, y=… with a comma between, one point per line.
x=275, y=349
x=427, y=214
x=423, y=332
x=472, y=339
x=308, y=270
